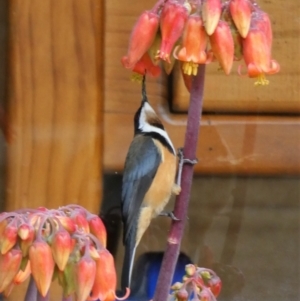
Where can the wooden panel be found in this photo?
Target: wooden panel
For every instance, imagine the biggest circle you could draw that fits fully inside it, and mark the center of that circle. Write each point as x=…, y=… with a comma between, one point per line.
x=237, y=94
x=55, y=103
x=228, y=144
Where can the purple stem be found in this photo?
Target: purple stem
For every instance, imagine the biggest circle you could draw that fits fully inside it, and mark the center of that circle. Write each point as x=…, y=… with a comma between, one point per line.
x=69, y=298
x=31, y=291
x=182, y=201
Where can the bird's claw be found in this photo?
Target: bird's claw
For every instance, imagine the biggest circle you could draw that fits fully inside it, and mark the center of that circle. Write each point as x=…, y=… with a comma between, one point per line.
x=169, y=214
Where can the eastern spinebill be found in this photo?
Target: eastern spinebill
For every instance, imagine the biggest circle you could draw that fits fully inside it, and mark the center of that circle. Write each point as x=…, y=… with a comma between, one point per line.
x=148, y=180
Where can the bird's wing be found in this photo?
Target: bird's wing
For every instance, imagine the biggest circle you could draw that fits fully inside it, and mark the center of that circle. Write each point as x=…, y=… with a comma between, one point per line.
x=141, y=164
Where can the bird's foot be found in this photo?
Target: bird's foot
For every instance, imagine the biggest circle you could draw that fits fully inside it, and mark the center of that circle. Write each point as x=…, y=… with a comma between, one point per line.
x=182, y=161
x=169, y=214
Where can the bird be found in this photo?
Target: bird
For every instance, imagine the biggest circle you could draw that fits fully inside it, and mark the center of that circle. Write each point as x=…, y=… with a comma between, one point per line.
x=148, y=180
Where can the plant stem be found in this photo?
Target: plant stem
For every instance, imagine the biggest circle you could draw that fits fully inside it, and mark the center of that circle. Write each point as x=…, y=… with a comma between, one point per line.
x=182, y=201
x=31, y=291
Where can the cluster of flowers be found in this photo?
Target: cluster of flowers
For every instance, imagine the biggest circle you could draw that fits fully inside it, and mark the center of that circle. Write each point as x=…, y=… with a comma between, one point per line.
x=67, y=244
x=199, y=284
x=183, y=30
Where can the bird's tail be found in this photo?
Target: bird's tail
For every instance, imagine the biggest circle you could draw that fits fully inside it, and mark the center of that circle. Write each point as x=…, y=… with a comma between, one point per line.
x=129, y=254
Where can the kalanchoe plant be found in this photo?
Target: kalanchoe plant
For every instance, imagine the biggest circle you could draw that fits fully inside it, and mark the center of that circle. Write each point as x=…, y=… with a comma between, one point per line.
x=67, y=243
x=199, y=284
x=200, y=32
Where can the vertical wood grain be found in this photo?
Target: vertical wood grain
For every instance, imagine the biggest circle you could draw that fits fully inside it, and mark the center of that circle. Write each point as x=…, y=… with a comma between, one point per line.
x=55, y=103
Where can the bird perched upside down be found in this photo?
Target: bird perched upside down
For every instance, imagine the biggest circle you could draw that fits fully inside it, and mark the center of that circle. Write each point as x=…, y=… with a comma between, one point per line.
x=148, y=180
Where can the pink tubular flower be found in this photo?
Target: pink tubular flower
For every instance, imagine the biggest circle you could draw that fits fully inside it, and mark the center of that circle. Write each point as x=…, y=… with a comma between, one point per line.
x=42, y=265
x=9, y=266
x=222, y=45
x=105, y=279
x=85, y=276
x=211, y=13
x=146, y=66
x=61, y=248
x=142, y=37
x=97, y=228
x=241, y=11
x=172, y=21
x=9, y=238
x=193, y=49
x=257, y=52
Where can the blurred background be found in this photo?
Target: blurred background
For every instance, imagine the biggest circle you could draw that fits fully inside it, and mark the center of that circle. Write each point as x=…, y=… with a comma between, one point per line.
x=66, y=116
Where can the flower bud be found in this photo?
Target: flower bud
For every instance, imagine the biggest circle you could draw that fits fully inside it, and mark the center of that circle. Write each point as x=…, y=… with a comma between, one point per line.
x=190, y=269
x=26, y=243
x=211, y=13
x=9, y=266
x=61, y=248
x=81, y=222
x=67, y=223
x=240, y=11
x=9, y=238
x=182, y=295
x=24, y=231
x=85, y=277
x=142, y=37
x=222, y=45
x=22, y=275
x=172, y=21
x=42, y=265
x=97, y=228
x=215, y=285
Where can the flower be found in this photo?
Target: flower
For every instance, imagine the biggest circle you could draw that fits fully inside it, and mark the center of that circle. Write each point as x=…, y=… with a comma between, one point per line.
x=61, y=248
x=222, y=45
x=85, y=276
x=193, y=49
x=142, y=37
x=145, y=66
x=257, y=52
x=9, y=266
x=105, y=279
x=211, y=12
x=97, y=228
x=241, y=11
x=8, y=238
x=42, y=265
x=172, y=21
x=22, y=275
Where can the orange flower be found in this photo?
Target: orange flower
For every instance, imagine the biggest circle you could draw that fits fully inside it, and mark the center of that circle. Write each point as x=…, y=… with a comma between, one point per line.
x=61, y=248
x=9, y=266
x=172, y=21
x=106, y=278
x=145, y=66
x=222, y=45
x=97, y=228
x=193, y=49
x=67, y=223
x=8, y=238
x=22, y=275
x=85, y=276
x=241, y=11
x=211, y=12
x=42, y=265
x=142, y=37
x=257, y=53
